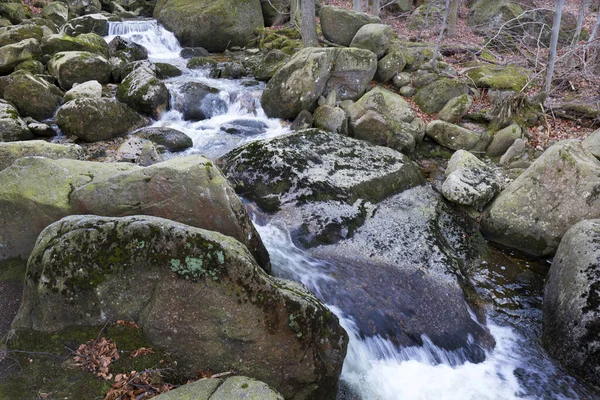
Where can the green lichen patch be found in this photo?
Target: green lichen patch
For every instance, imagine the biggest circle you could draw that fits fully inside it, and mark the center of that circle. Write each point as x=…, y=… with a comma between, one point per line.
x=286, y=40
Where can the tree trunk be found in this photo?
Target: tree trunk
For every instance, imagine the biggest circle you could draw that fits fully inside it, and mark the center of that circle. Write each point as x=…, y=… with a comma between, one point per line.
x=582, y=9
x=308, y=26
x=553, y=43
x=375, y=5
x=595, y=30
x=294, y=12
x=454, y=4
x=357, y=5
x=439, y=41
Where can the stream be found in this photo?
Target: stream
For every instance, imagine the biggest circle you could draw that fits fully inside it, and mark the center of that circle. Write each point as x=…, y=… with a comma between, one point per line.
x=375, y=368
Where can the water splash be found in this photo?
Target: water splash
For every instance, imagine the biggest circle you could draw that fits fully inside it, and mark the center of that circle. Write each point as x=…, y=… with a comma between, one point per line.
x=160, y=43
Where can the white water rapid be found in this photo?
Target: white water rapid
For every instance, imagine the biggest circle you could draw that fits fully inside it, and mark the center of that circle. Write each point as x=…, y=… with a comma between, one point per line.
x=374, y=369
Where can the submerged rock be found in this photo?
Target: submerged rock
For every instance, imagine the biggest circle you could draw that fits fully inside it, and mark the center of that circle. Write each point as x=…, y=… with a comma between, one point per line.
x=195, y=293
x=171, y=139
x=197, y=101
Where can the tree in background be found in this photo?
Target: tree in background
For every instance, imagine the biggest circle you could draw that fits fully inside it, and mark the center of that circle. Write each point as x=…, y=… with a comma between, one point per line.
x=553, y=44
x=452, y=17
x=308, y=26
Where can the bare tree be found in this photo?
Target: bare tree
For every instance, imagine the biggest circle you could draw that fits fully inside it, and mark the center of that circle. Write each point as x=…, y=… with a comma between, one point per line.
x=375, y=5
x=553, y=44
x=594, y=31
x=357, y=5
x=308, y=26
x=582, y=8
x=439, y=41
x=294, y=12
x=453, y=16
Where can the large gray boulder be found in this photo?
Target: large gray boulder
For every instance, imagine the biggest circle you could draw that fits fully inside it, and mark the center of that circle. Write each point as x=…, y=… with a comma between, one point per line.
x=351, y=74
x=144, y=92
x=86, y=90
x=456, y=137
x=97, y=119
x=70, y=67
x=12, y=55
x=340, y=25
x=571, y=309
x=195, y=293
x=15, y=33
x=60, y=42
x=212, y=24
x=33, y=96
x=56, y=12
x=92, y=23
x=12, y=151
x=558, y=190
x=373, y=37
x=171, y=139
x=12, y=127
x=434, y=96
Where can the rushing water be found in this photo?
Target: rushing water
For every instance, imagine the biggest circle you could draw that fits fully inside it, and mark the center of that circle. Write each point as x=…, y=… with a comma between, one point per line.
x=374, y=369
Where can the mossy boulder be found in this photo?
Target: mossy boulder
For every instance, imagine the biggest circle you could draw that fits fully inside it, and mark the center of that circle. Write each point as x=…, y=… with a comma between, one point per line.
x=313, y=165
x=14, y=34
x=509, y=77
x=571, y=307
x=331, y=119
x=165, y=189
x=340, y=25
x=558, y=190
x=144, y=92
x=127, y=50
x=89, y=42
x=214, y=24
x=197, y=294
x=92, y=23
x=487, y=16
x=169, y=138
x=16, y=12
x=89, y=90
x=96, y=119
x=270, y=64
x=34, y=97
x=12, y=127
x=236, y=387
x=166, y=70
x=70, y=67
x=351, y=74
x=56, y=12
x=456, y=108
x=456, y=137
x=10, y=152
x=503, y=139
x=424, y=16
x=12, y=55
x=373, y=37
x=34, y=67
x=83, y=7
x=391, y=65
x=433, y=97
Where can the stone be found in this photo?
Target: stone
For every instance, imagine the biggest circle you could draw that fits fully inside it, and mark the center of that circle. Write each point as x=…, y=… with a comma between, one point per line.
x=32, y=66
x=34, y=97
x=302, y=167
x=558, y=190
x=12, y=151
x=16, y=33
x=85, y=90
x=144, y=92
x=12, y=55
x=469, y=181
x=127, y=50
x=399, y=6
x=373, y=37
x=92, y=23
x=516, y=149
x=508, y=77
x=89, y=42
x=138, y=151
x=425, y=16
x=197, y=101
x=270, y=64
x=97, y=119
x=331, y=119
x=171, y=139
x=16, y=12
x=351, y=74
x=503, y=139
x=592, y=143
x=166, y=71
x=191, y=52
x=72, y=67
x=433, y=97
x=195, y=293
x=12, y=127
x=214, y=24
x=247, y=127
x=390, y=66
x=41, y=130
x=407, y=91
x=83, y=7
x=456, y=108
x=571, y=312
x=340, y=25
x=56, y=12
x=304, y=120
x=455, y=137
x=487, y=16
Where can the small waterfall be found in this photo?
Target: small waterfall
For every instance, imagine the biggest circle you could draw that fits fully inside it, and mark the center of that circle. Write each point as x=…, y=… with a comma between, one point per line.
x=160, y=43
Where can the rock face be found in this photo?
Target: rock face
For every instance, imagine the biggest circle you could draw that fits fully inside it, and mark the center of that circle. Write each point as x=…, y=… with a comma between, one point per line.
x=144, y=92
x=197, y=294
x=214, y=24
x=571, y=309
x=469, y=181
x=10, y=152
x=71, y=67
x=97, y=119
x=558, y=190
x=236, y=387
x=456, y=137
x=34, y=97
x=315, y=165
x=340, y=25
x=12, y=127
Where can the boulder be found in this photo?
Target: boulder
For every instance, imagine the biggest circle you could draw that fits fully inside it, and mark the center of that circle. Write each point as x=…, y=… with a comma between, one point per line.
x=244, y=127
x=83, y=7
x=340, y=25
x=510, y=77
x=270, y=64
x=16, y=33
x=191, y=52
x=571, y=310
x=197, y=101
x=433, y=97
x=399, y=6
x=306, y=166
x=24, y=212
x=469, y=181
x=197, y=294
x=144, y=92
x=165, y=189
x=214, y=24
x=127, y=50
x=331, y=119
x=170, y=139
x=592, y=143
x=425, y=16
x=503, y=139
x=12, y=151
x=401, y=79
x=32, y=66
x=56, y=12
x=85, y=90
x=488, y=16
x=12, y=55
x=12, y=127
x=138, y=151
x=351, y=74
x=391, y=65
x=456, y=108
x=275, y=12
x=72, y=67
x=96, y=119
x=373, y=37
x=558, y=190
x=89, y=42
x=92, y=23
x=166, y=70
x=15, y=11
x=34, y=97
x=236, y=387
x=515, y=150
x=456, y=137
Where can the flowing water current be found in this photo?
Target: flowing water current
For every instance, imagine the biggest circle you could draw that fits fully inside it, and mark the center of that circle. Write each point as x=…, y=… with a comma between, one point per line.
x=374, y=369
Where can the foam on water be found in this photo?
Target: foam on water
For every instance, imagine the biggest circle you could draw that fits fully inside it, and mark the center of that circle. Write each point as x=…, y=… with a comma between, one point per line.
x=160, y=43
